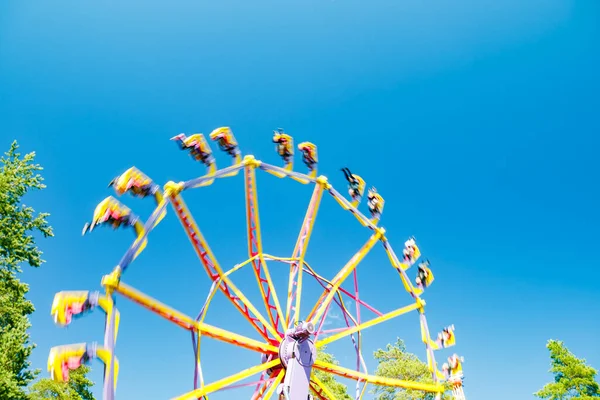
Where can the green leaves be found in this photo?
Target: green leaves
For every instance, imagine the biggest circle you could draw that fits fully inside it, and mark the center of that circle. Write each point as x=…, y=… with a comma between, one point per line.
x=78, y=387
x=396, y=362
x=18, y=226
x=18, y=222
x=573, y=378
x=338, y=389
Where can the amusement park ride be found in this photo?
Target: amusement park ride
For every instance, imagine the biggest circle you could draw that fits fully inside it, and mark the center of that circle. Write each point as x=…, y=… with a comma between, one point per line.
x=290, y=343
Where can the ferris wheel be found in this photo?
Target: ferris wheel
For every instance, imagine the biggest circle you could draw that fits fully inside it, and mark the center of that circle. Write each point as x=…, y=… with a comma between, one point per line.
x=290, y=336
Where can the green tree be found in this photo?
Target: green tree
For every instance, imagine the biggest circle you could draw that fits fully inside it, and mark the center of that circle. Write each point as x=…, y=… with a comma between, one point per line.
x=573, y=378
x=338, y=389
x=18, y=225
x=396, y=362
x=78, y=387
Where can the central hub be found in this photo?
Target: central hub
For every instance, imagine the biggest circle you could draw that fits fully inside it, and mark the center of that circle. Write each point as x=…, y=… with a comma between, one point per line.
x=296, y=344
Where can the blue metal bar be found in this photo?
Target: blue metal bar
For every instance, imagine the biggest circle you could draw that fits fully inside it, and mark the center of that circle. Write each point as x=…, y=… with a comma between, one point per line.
x=148, y=226
x=109, y=344
x=265, y=167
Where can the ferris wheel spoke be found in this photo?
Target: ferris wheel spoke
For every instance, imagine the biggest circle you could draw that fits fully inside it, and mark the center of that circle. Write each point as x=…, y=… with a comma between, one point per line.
x=295, y=278
x=234, y=338
x=377, y=380
x=167, y=312
x=320, y=279
x=340, y=302
x=215, y=271
x=223, y=383
x=357, y=342
x=188, y=322
x=317, y=391
x=327, y=295
x=360, y=361
x=260, y=386
x=274, y=385
x=267, y=388
x=338, y=299
x=320, y=388
x=259, y=266
x=370, y=323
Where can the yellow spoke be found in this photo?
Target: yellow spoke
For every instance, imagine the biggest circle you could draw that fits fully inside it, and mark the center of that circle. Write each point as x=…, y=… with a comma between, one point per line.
x=299, y=253
x=214, y=270
x=255, y=245
x=234, y=338
x=377, y=380
x=370, y=323
x=222, y=383
x=274, y=385
x=188, y=322
x=323, y=387
x=343, y=274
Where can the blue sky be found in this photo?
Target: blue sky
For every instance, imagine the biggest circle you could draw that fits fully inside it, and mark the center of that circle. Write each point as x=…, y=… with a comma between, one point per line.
x=476, y=120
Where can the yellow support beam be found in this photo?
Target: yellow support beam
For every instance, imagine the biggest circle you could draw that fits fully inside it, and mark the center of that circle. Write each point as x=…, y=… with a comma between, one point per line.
x=323, y=387
x=213, y=269
x=223, y=383
x=343, y=274
x=300, y=252
x=189, y=323
x=151, y=304
x=255, y=245
x=274, y=385
x=377, y=380
x=368, y=324
x=236, y=339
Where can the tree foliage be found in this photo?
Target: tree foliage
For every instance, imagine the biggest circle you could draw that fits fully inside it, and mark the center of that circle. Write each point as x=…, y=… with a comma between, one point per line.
x=18, y=225
x=396, y=362
x=15, y=348
x=338, y=389
x=78, y=387
x=18, y=222
x=573, y=378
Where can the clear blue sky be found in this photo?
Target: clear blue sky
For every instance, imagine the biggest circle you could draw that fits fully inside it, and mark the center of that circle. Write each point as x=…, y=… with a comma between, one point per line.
x=476, y=120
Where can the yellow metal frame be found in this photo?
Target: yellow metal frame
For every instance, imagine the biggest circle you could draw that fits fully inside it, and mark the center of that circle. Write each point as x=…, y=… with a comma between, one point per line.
x=377, y=380
x=300, y=251
x=327, y=295
x=373, y=322
x=220, y=384
x=291, y=314
x=252, y=215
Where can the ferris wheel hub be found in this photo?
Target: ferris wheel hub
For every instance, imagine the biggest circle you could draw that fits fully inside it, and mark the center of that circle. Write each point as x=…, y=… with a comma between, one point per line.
x=301, y=331
x=302, y=350
x=296, y=344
